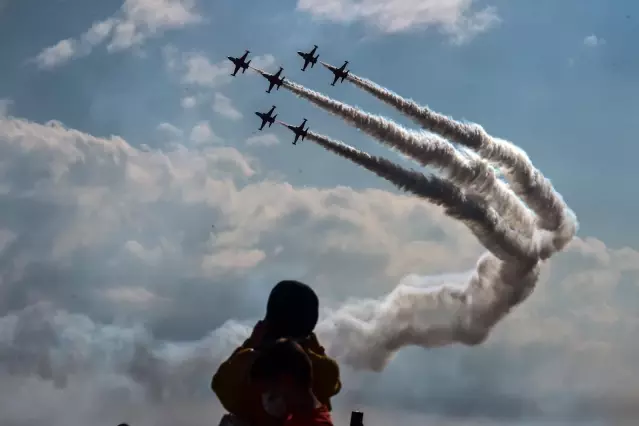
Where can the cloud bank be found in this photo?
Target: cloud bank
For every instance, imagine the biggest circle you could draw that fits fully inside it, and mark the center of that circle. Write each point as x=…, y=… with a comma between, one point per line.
x=459, y=19
x=133, y=24
x=129, y=274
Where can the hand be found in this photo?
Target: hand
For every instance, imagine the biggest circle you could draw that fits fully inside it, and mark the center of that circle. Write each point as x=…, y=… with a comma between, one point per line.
x=313, y=344
x=257, y=336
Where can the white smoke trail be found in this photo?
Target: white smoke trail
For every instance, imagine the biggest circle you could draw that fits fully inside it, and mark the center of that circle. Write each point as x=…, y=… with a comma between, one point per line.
x=528, y=183
x=482, y=220
x=471, y=173
x=366, y=334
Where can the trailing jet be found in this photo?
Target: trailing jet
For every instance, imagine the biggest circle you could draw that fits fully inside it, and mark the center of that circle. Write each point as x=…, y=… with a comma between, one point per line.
x=240, y=62
x=338, y=72
x=273, y=79
x=267, y=117
x=309, y=58
x=298, y=130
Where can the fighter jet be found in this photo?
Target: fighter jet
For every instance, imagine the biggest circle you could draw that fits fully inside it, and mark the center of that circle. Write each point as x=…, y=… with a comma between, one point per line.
x=299, y=130
x=240, y=62
x=308, y=57
x=338, y=72
x=267, y=117
x=274, y=80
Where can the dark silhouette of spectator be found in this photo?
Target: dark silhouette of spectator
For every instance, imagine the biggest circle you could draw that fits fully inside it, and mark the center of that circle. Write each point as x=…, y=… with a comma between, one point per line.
x=285, y=373
x=292, y=311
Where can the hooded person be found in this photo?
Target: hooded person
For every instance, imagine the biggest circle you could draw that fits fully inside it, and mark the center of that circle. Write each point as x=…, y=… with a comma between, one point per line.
x=292, y=311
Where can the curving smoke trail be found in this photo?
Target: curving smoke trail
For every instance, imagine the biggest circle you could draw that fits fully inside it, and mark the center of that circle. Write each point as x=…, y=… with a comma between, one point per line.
x=481, y=219
x=527, y=182
x=472, y=173
x=366, y=335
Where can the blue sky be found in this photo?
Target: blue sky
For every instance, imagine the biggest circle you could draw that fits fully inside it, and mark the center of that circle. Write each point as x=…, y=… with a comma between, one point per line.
x=531, y=78
x=113, y=283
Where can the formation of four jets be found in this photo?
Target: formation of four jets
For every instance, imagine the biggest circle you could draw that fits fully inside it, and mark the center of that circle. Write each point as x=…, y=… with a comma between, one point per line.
x=276, y=80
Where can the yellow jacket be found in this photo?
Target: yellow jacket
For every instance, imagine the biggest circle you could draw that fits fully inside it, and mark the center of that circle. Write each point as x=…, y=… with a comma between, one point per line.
x=232, y=386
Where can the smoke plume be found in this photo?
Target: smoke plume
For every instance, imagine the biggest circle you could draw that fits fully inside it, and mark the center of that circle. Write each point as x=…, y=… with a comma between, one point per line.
x=527, y=182
x=471, y=173
x=482, y=220
x=365, y=335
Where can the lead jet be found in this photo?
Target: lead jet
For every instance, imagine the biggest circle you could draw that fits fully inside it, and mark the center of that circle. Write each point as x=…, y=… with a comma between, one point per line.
x=240, y=62
x=299, y=131
x=273, y=79
x=338, y=72
x=267, y=117
x=309, y=58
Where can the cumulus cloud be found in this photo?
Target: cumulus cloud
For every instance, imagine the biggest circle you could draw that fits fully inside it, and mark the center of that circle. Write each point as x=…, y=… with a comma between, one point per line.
x=223, y=106
x=188, y=102
x=593, y=41
x=170, y=129
x=196, y=69
x=134, y=23
x=57, y=54
x=128, y=275
x=457, y=18
x=201, y=133
x=265, y=139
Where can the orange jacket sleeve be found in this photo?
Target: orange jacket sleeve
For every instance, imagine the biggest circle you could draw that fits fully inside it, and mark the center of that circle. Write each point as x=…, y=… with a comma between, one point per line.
x=231, y=381
x=326, y=378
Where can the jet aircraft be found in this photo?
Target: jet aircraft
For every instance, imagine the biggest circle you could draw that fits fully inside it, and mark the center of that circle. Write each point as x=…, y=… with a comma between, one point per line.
x=273, y=79
x=267, y=117
x=339, y=73
x=240, y=62
x=299, y=131
x=309, y=58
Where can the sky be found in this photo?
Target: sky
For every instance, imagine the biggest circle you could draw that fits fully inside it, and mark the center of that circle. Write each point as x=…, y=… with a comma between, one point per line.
x=145, y=218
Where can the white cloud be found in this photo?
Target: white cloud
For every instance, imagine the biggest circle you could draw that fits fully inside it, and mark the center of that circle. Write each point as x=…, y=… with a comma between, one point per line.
x=170, y=130
x=233, y=260
x=200, y=71
x=265, y=139
x=263, y=61
x=593, y=41
x=134, y=23
x=5, y=104
x=454, y=17
x=57, y=54
x=94, y=232
x=188, y=102
x=98, y=32
x=134, y=295
x=202, y=133
x=223, y=106
x=196, y=69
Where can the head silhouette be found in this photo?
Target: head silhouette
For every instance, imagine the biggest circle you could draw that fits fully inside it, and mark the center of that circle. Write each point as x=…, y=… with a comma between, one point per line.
x=292, y=310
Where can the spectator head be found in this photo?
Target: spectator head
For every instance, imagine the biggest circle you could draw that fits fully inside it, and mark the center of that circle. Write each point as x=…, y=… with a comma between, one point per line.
x=292, y=310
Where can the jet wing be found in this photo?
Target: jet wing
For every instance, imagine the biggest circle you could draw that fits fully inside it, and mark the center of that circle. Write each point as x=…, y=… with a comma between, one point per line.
x=335, y=79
